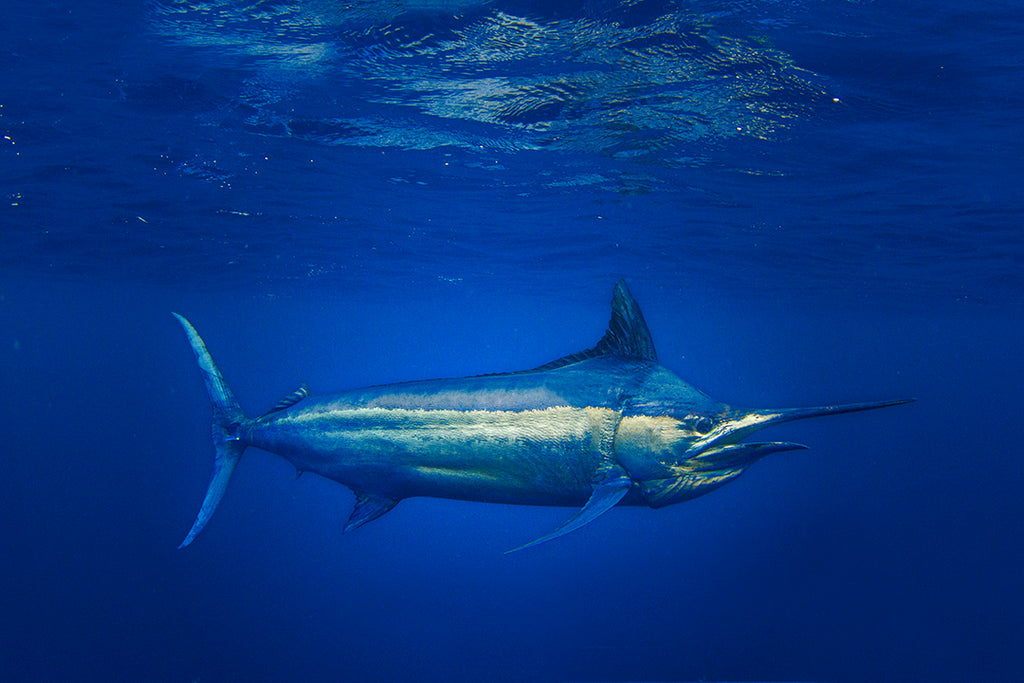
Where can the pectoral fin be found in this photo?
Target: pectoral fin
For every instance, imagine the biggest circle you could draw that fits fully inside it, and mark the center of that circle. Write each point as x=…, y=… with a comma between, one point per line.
x=606, y=495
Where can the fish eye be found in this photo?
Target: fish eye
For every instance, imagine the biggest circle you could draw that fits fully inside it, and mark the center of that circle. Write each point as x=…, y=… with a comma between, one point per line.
x=702, y=424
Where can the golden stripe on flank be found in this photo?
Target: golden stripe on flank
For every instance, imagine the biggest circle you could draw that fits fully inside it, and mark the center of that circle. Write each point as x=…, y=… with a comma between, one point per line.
x=559, y=422
x=551, y=448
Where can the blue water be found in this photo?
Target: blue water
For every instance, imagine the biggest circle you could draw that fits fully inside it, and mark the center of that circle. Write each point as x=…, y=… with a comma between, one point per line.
x=813, y=202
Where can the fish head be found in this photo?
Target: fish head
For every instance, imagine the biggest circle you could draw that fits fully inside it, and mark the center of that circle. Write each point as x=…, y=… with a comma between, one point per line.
x=677, y=458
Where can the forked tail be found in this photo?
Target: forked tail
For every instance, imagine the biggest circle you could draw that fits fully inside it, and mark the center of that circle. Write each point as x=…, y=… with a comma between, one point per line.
x=227, y=417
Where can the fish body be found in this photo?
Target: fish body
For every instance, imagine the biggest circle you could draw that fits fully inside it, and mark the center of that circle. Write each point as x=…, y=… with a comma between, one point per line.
x=595, y=429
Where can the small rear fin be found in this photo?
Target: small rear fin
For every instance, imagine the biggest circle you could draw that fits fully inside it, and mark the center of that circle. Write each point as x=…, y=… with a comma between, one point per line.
x=227, y=416
x=627, y=334
x=288, y=401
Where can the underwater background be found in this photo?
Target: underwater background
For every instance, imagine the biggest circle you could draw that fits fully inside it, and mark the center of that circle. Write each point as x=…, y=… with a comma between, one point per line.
x=813, y=201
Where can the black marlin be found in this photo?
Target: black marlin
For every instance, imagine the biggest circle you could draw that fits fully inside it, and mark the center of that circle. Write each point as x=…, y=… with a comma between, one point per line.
x=595, y=429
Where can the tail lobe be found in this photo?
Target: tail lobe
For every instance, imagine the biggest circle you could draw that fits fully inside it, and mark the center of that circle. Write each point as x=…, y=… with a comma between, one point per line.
x=227, y=416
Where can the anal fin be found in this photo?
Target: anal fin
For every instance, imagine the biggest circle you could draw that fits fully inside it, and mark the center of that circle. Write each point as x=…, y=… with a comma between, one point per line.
x=607, y=493
x=369, y=506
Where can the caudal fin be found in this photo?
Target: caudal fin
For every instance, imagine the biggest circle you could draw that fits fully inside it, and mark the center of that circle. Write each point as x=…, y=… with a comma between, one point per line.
x=227, y=417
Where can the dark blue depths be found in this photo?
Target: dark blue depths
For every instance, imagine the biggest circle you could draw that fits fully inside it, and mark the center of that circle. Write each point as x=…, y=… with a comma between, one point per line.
x=813, y=205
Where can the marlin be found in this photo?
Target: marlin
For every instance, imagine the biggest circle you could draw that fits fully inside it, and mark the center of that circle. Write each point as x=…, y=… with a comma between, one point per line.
x=603, y=427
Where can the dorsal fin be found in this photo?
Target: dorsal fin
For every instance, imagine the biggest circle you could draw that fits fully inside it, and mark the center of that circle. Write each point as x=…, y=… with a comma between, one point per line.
x=289, y=400
x=627, y=334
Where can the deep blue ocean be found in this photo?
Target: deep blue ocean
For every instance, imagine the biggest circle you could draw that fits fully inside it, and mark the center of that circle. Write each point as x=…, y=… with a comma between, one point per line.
x=814, y=202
